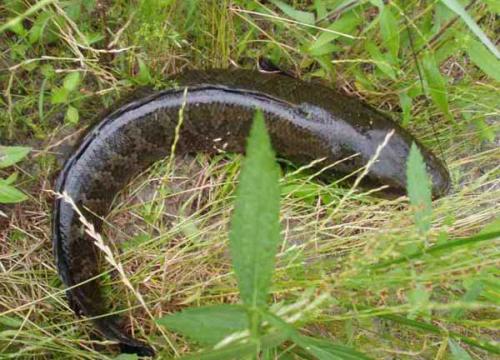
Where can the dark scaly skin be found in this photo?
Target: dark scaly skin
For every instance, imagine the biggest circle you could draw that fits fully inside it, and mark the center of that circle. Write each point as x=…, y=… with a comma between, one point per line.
x=306, y=122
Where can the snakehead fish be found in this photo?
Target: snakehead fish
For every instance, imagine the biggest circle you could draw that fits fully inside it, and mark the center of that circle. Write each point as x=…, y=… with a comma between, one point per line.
x=306, y=122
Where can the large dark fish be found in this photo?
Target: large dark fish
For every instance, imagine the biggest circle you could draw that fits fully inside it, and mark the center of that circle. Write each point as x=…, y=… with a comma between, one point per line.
x=306, y=122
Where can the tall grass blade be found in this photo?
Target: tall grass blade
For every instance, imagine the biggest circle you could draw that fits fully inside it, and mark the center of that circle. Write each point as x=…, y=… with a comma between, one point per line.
x=438, y=330
x=436, y=85
x=31, y=10
x=389, y=30
x=483, y=59
x=419, y=189
x=437, y=248
x=456, y=7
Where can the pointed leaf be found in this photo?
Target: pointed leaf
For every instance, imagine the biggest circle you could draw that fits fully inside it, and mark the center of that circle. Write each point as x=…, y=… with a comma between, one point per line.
x=344, y=25
x=209, y=324
x=390, y=31
x=297, y=15
x=9, y=155
x=255, y=230
x=380, y=60
x=436, y=86
x=10, y=195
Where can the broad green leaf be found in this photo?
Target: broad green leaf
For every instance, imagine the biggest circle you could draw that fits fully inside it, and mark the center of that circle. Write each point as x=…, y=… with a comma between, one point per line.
x=59, y=95
x=389, y=30
x=326, y=350
x=9, y=155
x=72, y=115
x=10, y=195
x=380, y=60
x=297, y=15
x=207, y=325
x=436, y=86
x=457, y=353
x=483, y=59
x=71, y=81
x=419, y=189
x=255, y=230
x=455, y=6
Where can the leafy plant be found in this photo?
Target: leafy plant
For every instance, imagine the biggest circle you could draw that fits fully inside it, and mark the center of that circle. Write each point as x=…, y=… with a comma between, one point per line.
x=64, y=95
x=10, y=155
x=238, y=331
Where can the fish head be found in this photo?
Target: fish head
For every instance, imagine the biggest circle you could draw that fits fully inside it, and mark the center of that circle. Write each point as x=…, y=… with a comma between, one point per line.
x=390, y=166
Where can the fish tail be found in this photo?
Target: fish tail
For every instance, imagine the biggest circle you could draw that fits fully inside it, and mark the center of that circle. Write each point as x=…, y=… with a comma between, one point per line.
x=113, y=331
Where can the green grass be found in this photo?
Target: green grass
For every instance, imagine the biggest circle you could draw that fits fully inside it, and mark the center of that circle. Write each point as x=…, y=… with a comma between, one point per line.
x=171, y=223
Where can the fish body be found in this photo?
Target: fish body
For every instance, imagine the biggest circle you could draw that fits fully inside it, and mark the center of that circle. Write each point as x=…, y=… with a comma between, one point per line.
x=305, y=121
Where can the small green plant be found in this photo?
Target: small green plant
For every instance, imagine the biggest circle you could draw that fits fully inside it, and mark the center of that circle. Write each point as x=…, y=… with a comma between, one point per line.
x=254, y=329
x=9, y=155
x=65, y=95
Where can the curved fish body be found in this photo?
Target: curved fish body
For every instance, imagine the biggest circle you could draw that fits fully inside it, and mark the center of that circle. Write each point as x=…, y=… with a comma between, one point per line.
x=305, y=121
